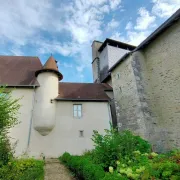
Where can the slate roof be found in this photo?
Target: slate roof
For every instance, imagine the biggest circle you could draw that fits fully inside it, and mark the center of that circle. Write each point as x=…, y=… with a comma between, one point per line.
x=19, y=70
x=83, y=91
x=115, y=43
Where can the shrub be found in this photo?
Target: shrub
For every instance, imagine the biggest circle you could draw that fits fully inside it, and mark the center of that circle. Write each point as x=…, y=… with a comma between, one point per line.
x=8, y=118
x=22, y=169
x=147, y=166
x=114, y=176
x=113, y=145
x=83, y=167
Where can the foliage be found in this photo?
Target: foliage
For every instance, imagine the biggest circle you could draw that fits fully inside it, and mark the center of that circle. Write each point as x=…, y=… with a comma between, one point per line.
x=83, y=167
x=123, y=156
x=148, y=166
x=22, y=169
x=114, y=145
x=8, y=118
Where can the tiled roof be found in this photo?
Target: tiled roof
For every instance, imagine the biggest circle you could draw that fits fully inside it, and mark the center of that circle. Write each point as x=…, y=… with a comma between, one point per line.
x=83, y=91
x=19, y=70
x=50, y=66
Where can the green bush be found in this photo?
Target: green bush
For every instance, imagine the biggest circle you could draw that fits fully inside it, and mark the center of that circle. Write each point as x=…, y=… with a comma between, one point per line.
x=113, y=145
x=8, y=118
x=22, y=169
x=147, y=166
x=123, y=156
x=83, y=167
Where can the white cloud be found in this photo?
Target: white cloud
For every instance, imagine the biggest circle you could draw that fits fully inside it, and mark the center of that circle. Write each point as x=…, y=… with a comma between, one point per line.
x=116, y=36
x=136, y=38
x=165, y=8
x=112, y=24
x=114, y=4
x=144, y=20
x=105, y=9
x=16, y=51
x=80, y=68
x=67, y=65
x=129, y=26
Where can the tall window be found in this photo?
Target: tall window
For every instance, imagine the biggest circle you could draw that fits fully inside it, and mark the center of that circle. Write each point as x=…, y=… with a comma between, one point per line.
x=77, y=108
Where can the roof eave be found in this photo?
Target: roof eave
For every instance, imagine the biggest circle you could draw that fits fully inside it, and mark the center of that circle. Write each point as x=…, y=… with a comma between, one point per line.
x=19, y=86
x=129, y=46
x=88, y=100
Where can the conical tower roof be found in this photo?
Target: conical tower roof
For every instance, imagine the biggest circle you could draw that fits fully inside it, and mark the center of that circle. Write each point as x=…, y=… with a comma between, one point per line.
x=50, y=66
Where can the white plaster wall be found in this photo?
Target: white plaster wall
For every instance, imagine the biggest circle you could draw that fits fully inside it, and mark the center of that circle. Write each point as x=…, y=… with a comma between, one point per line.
x=114, y=54
x=65, y=135
x=44, y=110
x=20, y=132
x=103, y=58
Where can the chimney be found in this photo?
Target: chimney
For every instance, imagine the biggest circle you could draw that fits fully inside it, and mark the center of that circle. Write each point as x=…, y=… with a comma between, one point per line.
x=95, y=61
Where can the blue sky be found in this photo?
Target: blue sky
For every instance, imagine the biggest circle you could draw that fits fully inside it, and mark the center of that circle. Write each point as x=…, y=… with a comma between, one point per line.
x=66, y=28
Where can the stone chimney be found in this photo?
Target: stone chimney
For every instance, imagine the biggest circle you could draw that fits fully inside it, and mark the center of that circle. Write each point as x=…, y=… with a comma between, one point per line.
x=95, y=61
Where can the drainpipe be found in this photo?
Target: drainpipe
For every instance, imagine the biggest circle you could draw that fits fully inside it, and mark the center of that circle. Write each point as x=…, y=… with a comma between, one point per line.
x=109, y=112
x=31, y=118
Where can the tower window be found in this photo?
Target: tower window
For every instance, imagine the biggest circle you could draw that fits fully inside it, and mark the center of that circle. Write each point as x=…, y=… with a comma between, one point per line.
x=81, y=133
x=118, y=76
x=77, y=110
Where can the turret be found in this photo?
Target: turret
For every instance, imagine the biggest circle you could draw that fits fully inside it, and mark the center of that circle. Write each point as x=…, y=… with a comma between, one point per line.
x=44, y=108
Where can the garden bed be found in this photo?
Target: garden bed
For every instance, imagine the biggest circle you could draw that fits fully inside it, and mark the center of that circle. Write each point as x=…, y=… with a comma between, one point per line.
x=123, y=156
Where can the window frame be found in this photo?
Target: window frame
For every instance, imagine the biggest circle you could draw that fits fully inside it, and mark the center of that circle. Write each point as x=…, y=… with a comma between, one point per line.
x=77, y=110
x=81, y=133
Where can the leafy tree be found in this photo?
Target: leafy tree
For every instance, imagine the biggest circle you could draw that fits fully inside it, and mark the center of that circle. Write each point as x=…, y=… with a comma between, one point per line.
x=8, y=118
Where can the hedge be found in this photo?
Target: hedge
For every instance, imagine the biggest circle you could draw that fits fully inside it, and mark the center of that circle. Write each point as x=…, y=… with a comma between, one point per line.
x=83, y=167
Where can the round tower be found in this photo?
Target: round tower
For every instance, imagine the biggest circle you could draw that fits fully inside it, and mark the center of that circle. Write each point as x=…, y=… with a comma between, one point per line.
x=44, y=107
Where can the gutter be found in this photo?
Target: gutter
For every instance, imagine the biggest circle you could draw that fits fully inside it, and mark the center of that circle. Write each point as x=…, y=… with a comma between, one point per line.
x=88, y=100
x=31, y=118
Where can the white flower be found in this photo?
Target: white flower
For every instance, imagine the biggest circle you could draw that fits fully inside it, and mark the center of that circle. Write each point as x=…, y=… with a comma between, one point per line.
x=111, y=169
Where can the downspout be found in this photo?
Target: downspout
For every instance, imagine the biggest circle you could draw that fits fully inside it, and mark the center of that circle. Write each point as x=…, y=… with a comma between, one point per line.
x=109, y=112
x=31, y=118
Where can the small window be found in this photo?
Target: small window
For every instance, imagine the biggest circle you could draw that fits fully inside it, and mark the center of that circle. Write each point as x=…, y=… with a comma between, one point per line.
x=118, y=76
x=77, y=110
x=81, y=133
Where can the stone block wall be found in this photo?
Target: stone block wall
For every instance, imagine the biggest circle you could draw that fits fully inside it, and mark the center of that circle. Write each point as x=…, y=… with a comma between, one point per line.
x=147, y=91
x=127, y=102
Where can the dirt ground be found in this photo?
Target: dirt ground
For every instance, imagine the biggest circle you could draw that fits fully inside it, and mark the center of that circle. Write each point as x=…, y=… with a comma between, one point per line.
x=56, y=171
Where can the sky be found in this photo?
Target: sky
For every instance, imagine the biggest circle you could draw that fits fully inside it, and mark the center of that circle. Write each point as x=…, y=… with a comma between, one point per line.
x=67, y=28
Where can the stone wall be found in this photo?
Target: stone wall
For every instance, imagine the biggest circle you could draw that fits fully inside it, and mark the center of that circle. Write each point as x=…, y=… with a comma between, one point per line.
x=128, y=106
x=162, y=59
x=147, y=92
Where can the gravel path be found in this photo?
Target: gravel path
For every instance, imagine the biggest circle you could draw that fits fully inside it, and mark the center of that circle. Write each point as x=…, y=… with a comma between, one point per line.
x=56, y=171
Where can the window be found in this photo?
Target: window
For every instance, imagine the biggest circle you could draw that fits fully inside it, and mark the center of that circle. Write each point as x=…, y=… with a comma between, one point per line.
x=77, y=110
x=81, y=133
x=118, y=76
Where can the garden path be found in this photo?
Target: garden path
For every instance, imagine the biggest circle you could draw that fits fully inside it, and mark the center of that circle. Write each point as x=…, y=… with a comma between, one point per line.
x=56, y=171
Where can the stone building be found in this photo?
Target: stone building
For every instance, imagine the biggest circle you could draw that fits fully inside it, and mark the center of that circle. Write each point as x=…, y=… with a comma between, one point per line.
x=146, y=83
x=54, y=116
